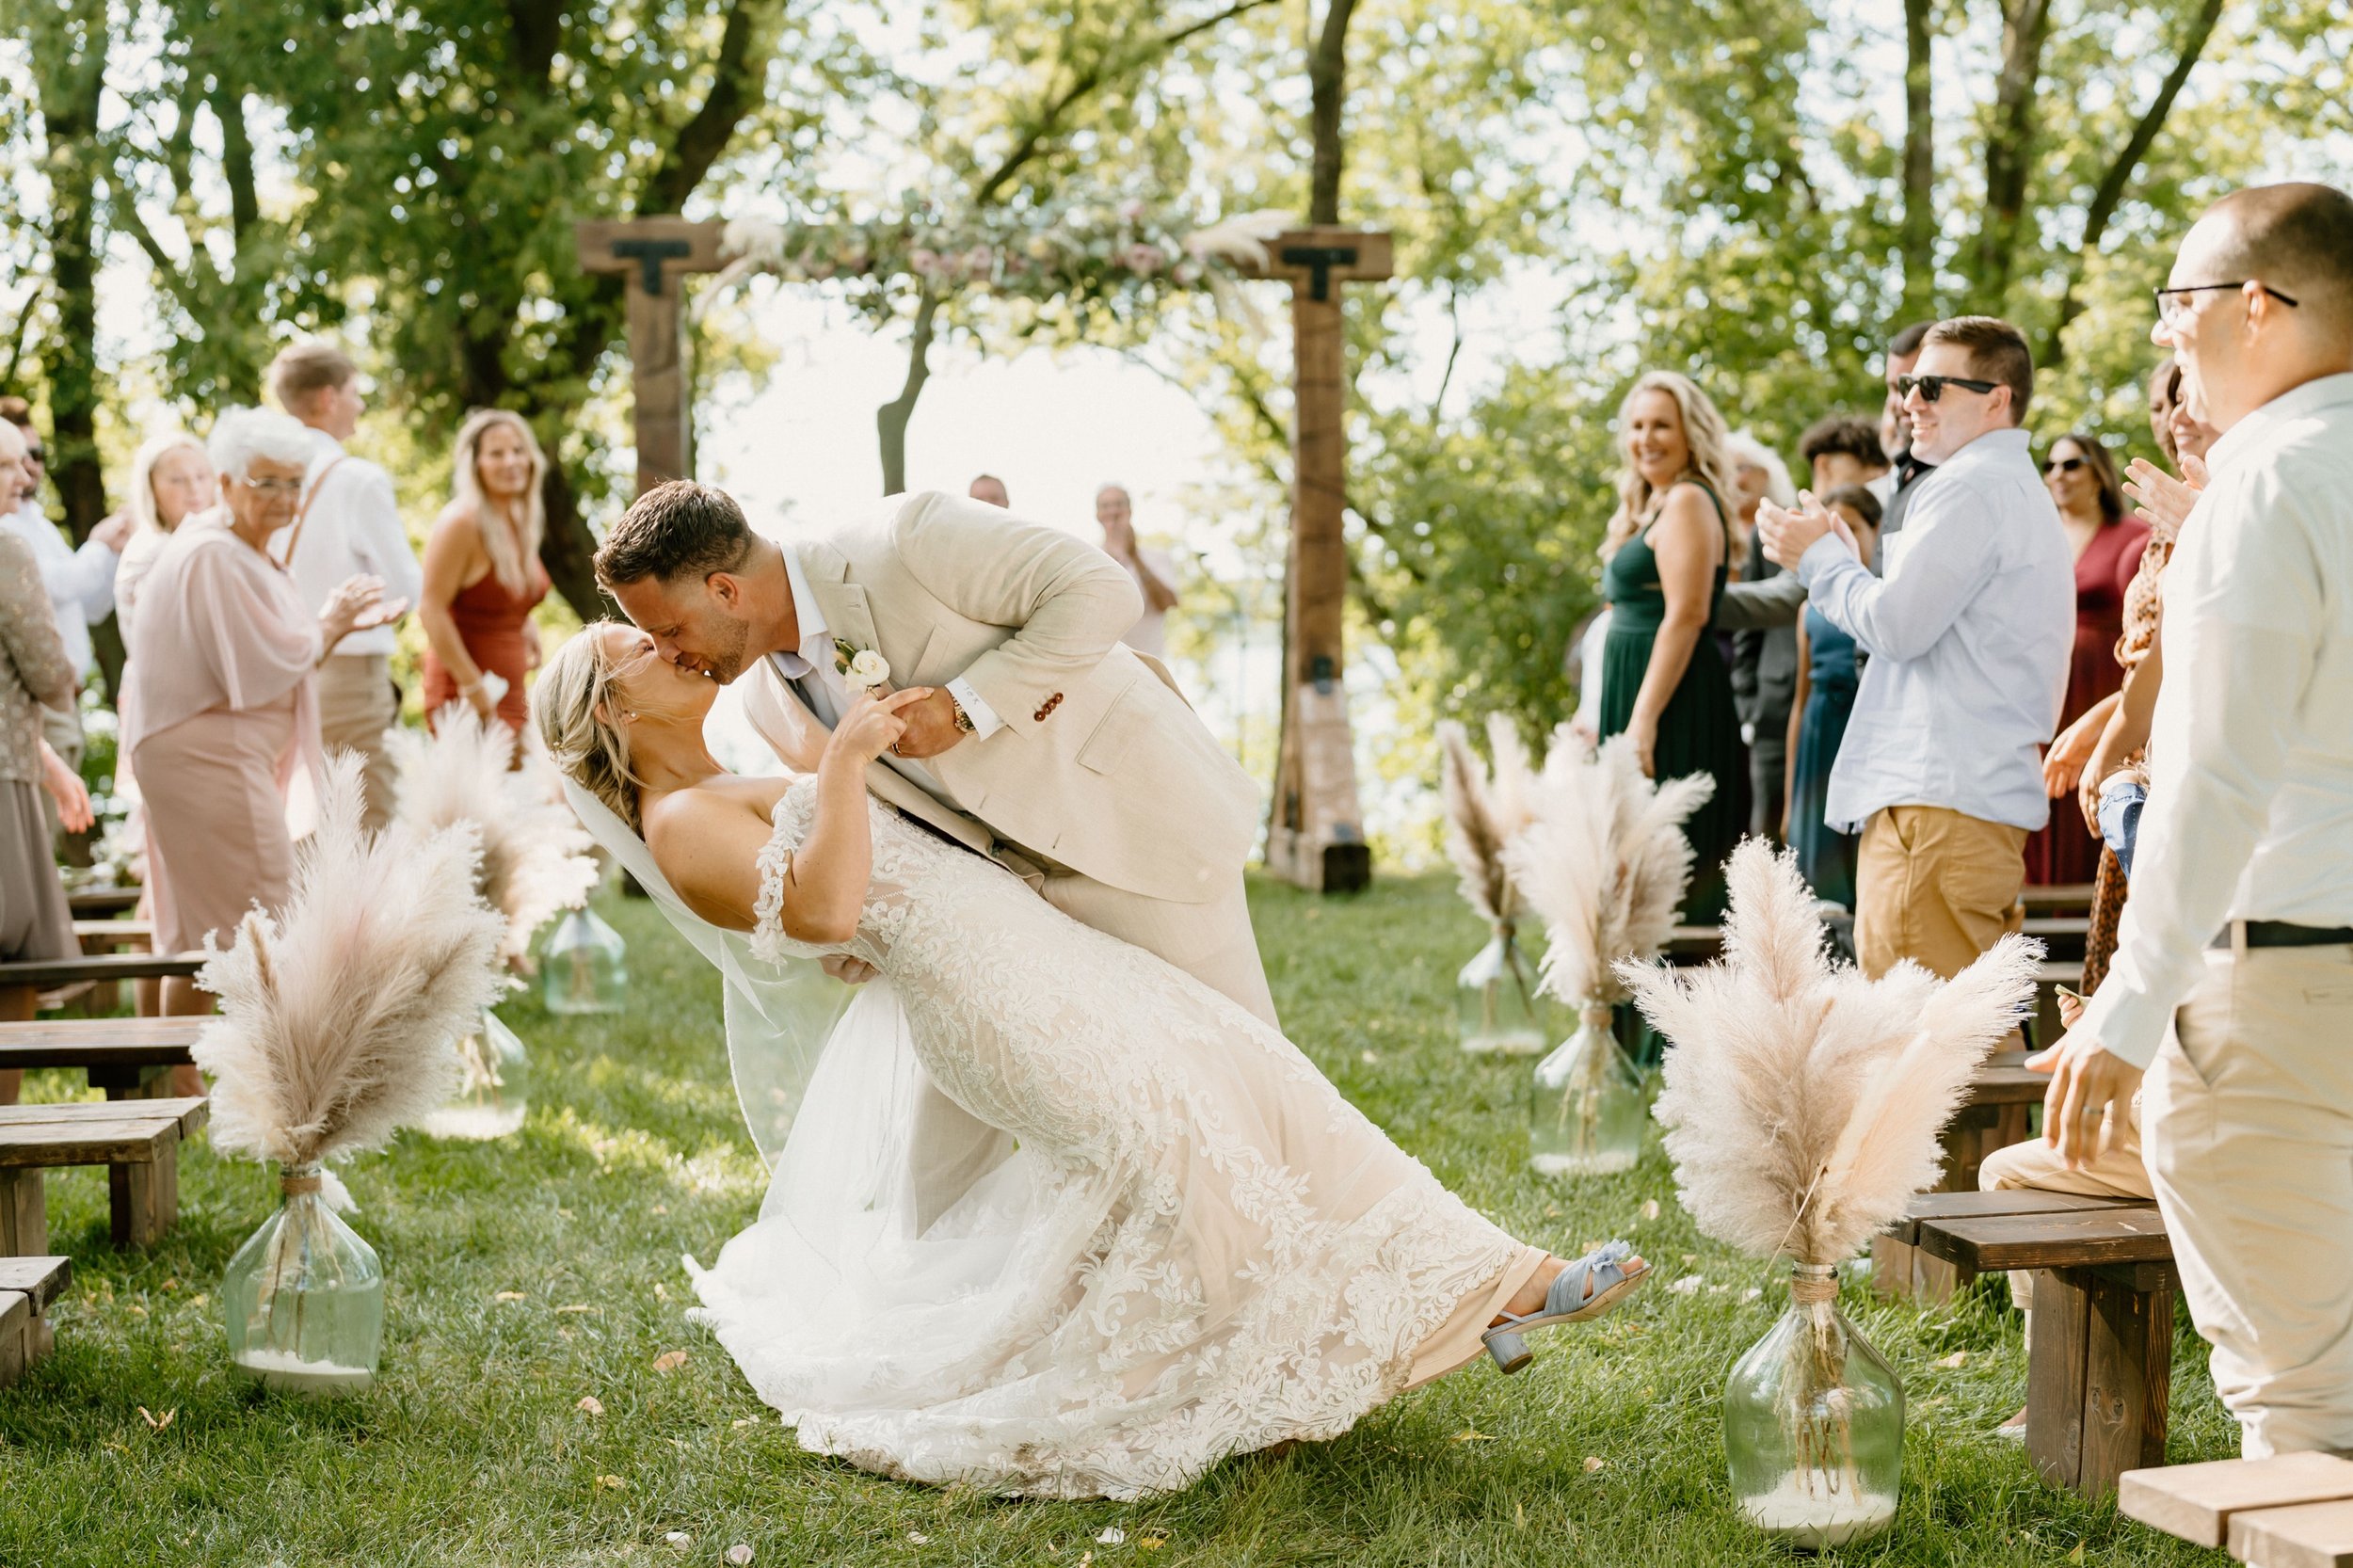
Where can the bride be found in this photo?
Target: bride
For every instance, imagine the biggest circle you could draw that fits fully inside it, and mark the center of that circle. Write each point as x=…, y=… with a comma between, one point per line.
x=1065, y=1222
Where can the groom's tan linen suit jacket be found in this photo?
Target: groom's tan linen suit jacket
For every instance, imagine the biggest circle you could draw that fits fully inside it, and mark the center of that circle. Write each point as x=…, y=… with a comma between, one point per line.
x=1102, y=777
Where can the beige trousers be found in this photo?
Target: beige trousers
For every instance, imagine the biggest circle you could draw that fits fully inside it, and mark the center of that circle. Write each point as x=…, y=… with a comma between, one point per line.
x=356, y=707
x=1936, y=886
x=2115, y=1171
x=2248, y=1119
x=1211, y=941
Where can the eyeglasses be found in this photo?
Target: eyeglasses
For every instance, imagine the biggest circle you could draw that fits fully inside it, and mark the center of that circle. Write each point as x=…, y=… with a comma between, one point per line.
x=273, y=487
x=2062, y=465
x=2173, y=304
x=1931, y=387
x=33, y=454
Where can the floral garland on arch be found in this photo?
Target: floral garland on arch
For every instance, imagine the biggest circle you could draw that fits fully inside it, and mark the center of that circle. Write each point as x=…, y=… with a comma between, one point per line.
x=1077, y=251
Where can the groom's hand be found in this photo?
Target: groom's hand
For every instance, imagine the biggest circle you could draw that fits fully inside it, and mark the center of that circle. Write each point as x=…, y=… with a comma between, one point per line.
x=931, y=725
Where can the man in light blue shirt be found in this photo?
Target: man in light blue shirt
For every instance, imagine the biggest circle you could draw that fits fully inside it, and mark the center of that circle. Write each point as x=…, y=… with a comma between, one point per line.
x=1969, y=635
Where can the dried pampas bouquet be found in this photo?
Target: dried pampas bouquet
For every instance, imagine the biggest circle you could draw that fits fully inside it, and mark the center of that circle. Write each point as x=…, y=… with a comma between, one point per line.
x=535, y=856
x=1605, y=862
x=1803, y=1105
x=1496, y=991
x=336, y=1017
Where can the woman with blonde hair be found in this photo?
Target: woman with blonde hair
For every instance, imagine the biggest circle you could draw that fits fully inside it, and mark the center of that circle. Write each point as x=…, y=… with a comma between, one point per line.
x=482, y=572
x=1664, y=557
x=172, y=479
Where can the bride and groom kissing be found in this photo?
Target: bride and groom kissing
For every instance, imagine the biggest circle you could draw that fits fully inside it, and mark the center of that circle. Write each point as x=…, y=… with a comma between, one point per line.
x=1063, y=1213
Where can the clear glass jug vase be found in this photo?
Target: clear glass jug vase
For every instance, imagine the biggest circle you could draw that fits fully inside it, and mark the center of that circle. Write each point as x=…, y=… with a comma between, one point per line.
x=1587, y=1109
x=1497, y=1002
x=584, y=968
x=1814, y=1424
x=493, y=1085
x=305, y=1297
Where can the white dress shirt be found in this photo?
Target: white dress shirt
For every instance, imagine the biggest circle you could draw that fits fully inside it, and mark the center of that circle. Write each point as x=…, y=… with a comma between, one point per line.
x=352, y=529
x=81, y=582
x=1969, y=633
x=812, y=674
x=2251, y=749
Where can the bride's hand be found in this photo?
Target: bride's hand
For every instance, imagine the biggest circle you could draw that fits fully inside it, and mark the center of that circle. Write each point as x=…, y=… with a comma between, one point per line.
x=871, y=726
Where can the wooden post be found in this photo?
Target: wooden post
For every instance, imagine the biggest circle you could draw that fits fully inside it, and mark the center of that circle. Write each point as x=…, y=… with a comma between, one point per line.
x=1317, y=836
x=653, y=252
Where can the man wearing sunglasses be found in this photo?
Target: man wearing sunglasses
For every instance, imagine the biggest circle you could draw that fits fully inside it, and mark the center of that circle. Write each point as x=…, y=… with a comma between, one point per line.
x=2239, y=928
x=1969, y=635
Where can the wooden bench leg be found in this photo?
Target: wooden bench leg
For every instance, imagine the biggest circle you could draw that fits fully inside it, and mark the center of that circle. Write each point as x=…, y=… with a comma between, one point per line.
x=16, y=1335
x=143, y=1200
x=2099, y=1375
x=23, y=1214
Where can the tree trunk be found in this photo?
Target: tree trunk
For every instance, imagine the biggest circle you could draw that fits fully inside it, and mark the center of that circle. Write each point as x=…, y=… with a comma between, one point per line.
x=1919, y=238
x=2110, y=194
x=1327, y=72
x=890, y=420
x=2009, y=148
x=568, y=549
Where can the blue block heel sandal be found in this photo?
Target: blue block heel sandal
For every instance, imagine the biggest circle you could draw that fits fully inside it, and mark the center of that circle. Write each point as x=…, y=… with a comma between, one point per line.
x=1584, y=1290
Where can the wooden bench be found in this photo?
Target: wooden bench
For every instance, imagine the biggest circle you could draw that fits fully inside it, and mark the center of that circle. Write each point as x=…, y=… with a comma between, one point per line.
x=2062, y=936
x=2049, y=976
x=1901, y=1269
x=139, y=1143
x=108, y=936
x=128, y=1059
x=1694, y=944
x=2065, y=898
x=93, y=904
x=27, y=1286
x=2100, y=1365
x=2289, y=1511
x=45, y=974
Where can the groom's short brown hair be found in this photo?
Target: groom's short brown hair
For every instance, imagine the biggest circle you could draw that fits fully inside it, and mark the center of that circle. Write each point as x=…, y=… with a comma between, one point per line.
x=677, y=530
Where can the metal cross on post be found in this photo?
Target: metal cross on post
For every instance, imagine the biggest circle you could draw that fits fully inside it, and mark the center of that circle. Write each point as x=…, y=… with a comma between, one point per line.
x=653, y=251
x=1317, y=837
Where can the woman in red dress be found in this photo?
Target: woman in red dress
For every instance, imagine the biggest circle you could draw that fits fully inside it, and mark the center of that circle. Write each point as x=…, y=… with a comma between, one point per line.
x=482, y=574
x=2108, y=544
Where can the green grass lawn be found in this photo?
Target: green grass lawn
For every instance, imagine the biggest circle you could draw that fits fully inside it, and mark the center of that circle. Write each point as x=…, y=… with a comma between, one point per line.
x=530, y=1273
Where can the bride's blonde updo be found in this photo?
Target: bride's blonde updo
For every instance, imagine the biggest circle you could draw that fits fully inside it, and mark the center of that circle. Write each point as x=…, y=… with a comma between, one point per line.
x=592, y=752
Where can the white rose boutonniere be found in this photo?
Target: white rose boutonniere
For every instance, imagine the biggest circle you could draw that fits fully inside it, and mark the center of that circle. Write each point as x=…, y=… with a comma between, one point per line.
x=861, y=669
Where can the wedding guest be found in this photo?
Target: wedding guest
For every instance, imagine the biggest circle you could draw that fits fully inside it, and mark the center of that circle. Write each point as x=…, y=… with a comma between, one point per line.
x=346, y=525
x=1968, y=635
x=2239, y=930
x=1829, y=669
x=1663, y=567
x=219, y=712
x=35, y=673
x=1842, y=450
x=80, y=583
x=172, y=479
x=1896, y=486
x=990, y=488
x=2108, y=546
x=483, y=576
x=1155, y=574
x=1764, y=660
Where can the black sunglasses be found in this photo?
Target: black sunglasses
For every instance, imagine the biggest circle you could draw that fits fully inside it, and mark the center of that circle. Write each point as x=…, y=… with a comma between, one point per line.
x=1930, y=388
x=2062, y=465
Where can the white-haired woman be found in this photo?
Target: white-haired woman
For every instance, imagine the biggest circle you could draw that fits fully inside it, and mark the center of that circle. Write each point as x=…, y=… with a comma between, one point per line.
x=482, y=572
x=1107, y=1226
x=171, y=480
x=1664, y=556
x=218, y=715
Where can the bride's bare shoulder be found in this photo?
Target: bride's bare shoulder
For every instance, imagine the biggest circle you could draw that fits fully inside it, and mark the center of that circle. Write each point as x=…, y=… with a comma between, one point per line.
x=714, y=802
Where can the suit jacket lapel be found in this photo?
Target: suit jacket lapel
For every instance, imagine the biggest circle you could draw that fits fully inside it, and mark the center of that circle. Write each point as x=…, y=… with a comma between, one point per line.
x=848, y=616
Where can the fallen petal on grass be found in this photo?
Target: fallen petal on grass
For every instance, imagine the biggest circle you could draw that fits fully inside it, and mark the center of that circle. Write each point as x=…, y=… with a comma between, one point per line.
x=590, y=1404
x=669, y=1361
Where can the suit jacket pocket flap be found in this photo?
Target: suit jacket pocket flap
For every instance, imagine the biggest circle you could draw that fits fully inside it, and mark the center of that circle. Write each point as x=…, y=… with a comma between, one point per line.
x=1128, y=718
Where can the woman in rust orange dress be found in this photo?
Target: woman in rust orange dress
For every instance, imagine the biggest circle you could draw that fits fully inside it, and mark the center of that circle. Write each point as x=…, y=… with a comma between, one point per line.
x=482, y=574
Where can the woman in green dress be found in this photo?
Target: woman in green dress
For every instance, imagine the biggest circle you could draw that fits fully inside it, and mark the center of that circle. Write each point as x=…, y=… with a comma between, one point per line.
x=1664, y=681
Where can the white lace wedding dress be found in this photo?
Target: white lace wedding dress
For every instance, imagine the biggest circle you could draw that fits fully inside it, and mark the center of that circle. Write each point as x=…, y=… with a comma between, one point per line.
x=1073, y=1225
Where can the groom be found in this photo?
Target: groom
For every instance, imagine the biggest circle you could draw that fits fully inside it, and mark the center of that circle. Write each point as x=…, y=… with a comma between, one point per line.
x=1047, y=743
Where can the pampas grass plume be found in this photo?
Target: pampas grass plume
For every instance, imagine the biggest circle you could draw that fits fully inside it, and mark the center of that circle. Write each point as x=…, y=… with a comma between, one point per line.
x=1481, y=815
x=535, y=856
x=1802, y=1102
x=336, y=1015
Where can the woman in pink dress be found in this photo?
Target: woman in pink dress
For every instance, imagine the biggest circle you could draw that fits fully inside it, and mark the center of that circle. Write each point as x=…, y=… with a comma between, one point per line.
x=2108, y=544
x=218, y=715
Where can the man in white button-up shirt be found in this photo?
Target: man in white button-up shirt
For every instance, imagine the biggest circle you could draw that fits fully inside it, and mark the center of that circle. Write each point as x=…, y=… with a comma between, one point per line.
x=1969, y=635
x=349, y=526
x=2239, y=928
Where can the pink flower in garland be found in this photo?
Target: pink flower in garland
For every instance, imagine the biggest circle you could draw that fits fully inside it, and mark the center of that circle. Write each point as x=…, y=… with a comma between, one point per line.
x=1143, y=259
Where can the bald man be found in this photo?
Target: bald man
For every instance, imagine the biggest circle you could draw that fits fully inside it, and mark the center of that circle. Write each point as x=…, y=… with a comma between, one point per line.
x=2240, y=924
